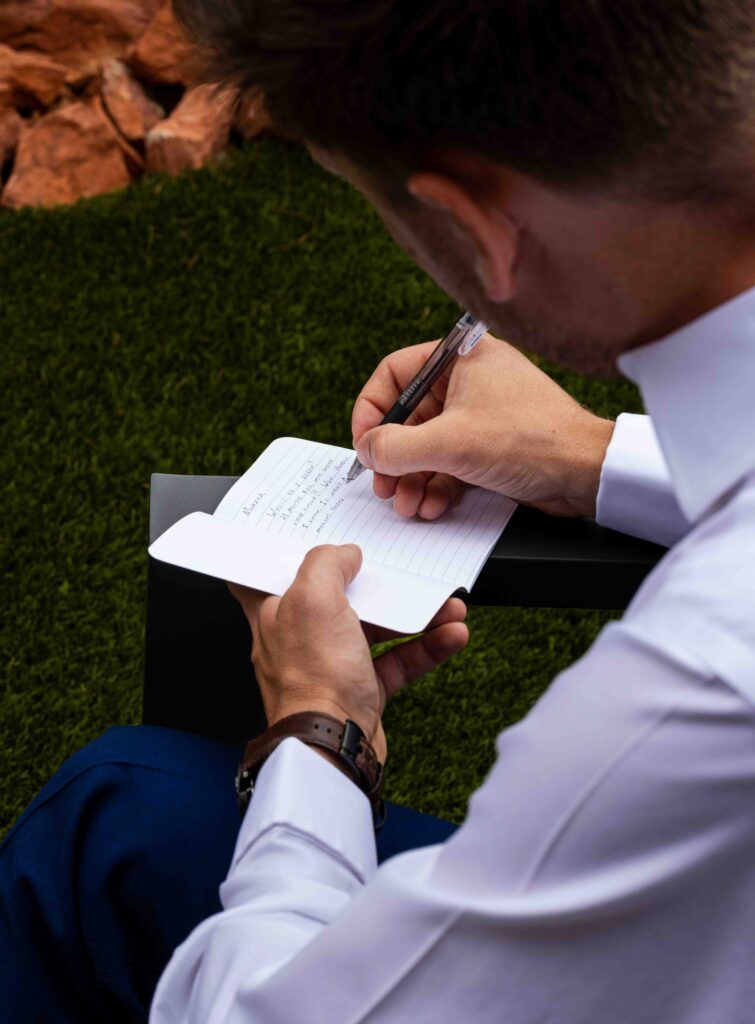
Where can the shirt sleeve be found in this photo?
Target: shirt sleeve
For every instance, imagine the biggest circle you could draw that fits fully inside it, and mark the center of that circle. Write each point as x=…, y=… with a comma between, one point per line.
x=617, y=818
x=636, y=494
x=306, y=846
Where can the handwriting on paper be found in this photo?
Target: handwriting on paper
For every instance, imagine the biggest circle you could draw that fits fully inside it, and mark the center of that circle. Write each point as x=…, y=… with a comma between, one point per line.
x=305, y=496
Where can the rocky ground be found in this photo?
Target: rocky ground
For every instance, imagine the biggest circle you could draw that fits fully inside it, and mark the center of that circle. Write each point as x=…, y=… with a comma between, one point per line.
x=96, y=93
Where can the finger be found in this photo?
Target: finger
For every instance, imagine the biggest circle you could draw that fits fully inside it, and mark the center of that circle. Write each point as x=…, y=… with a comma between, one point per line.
x=410, y=490
x=386, y=384
x=384, y=486
x=323, y=577
x=249, y=599
x=454, y=610
x=407, y=662
x=397, y=450
x=440, y=491
x=428, y=408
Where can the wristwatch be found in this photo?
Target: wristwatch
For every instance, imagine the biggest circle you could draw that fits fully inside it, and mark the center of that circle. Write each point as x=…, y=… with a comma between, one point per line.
x=353, y=755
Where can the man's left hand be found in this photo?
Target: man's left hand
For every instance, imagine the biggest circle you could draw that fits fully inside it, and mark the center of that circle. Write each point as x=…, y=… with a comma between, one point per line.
x=311, y=653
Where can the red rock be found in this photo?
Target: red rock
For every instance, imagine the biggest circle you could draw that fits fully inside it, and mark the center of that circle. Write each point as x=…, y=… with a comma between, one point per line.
x=75, y=32
x=84, y=78
x=10, y=130
x=135, y=162
x=73, y=151
x=163, y=54
x=30, y=79
x=129, y=107
x=21, y=17
x=199, y=127
x=251, y=118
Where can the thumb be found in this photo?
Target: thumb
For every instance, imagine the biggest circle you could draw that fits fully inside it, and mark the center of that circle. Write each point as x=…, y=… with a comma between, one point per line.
x=395, y=450
x=329, y=568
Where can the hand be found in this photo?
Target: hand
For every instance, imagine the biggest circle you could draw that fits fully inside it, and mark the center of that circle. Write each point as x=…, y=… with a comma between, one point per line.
x=311, y=653
x=495, y=421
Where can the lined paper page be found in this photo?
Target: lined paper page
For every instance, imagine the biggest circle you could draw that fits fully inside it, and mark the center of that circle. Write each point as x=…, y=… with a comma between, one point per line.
x=296, y=492
x=230, y=551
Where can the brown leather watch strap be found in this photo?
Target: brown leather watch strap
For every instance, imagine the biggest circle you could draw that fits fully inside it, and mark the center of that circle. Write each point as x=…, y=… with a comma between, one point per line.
x=353, y=754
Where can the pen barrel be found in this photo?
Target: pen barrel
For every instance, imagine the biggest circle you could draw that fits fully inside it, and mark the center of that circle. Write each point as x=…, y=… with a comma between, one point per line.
x=467, y=329
x=398, y=413
x=416, y=390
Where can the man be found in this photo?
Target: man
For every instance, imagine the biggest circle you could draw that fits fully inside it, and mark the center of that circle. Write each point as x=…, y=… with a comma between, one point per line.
x=581, y=176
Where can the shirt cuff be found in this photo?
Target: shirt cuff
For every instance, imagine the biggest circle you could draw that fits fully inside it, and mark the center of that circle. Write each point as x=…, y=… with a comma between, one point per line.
x=636, y=494
x=299, y=790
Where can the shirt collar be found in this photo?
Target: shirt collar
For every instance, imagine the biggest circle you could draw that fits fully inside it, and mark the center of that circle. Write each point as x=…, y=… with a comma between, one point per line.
x=698, y=385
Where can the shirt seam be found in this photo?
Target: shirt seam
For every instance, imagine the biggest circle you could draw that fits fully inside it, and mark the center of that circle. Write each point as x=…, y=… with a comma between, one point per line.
x=570, y=816
x=647, y=636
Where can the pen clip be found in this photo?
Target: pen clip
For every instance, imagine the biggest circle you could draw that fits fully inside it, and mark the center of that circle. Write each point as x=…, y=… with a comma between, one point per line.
x=474, y=335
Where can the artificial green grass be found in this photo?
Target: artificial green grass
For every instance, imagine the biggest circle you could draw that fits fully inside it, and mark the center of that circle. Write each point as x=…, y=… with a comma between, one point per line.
x=180, y=326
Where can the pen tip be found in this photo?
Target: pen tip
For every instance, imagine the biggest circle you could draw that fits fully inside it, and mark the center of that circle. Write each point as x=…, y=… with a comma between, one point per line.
x=356, y=469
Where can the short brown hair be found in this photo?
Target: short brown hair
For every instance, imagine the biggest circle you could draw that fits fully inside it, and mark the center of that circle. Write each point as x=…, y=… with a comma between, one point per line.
x=654, y=96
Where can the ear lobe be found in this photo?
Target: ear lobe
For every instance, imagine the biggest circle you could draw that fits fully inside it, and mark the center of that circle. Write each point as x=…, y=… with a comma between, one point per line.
x=491, y=231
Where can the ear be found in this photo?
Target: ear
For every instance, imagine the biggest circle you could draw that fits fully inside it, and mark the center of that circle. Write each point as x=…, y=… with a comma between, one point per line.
x=486, y=222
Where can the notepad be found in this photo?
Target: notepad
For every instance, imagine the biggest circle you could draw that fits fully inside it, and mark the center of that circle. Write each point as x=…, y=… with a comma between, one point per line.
x=296, y=497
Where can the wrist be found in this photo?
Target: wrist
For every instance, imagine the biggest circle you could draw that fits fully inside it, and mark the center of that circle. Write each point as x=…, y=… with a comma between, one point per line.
x=343, y=742
x=275, y=711
x=370, y=724
x=588, y=455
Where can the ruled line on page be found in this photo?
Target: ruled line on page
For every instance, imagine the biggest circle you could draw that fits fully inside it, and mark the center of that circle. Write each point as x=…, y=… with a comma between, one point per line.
x=297, y=491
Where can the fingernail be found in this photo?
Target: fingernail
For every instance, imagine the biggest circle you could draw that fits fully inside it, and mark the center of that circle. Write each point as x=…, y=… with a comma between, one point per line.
x=363, y=454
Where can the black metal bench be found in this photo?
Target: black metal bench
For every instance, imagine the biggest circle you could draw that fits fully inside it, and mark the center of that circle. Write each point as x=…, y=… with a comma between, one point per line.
x=197, y=671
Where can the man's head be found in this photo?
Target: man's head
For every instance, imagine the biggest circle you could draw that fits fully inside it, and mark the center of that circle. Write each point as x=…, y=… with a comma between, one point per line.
x=574, y=171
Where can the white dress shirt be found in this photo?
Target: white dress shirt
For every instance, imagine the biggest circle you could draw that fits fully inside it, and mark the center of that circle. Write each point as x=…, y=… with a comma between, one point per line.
x=605, y=873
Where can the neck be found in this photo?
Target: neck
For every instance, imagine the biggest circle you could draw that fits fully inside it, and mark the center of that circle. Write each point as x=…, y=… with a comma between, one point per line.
x=714, y=271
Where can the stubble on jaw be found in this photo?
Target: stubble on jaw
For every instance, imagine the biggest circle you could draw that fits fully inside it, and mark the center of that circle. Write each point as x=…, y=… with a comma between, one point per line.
x=449, y=262
x=578, y=353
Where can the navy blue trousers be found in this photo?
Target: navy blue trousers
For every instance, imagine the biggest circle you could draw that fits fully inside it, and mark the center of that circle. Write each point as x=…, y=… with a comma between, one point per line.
x=115, y=862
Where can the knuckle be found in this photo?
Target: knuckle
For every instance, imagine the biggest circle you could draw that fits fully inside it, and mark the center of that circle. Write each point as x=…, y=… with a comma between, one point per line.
x=379, y=448
x=316, y=556
x=361, y=410
x=315, y=560
x=302, y=601
x=385, y=364
x=268, y=613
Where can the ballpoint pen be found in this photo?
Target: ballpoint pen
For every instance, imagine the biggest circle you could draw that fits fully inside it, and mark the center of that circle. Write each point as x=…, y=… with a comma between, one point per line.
x=460, y=340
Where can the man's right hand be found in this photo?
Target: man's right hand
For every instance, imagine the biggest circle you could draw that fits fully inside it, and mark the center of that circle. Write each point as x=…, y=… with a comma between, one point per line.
x=495, y=421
